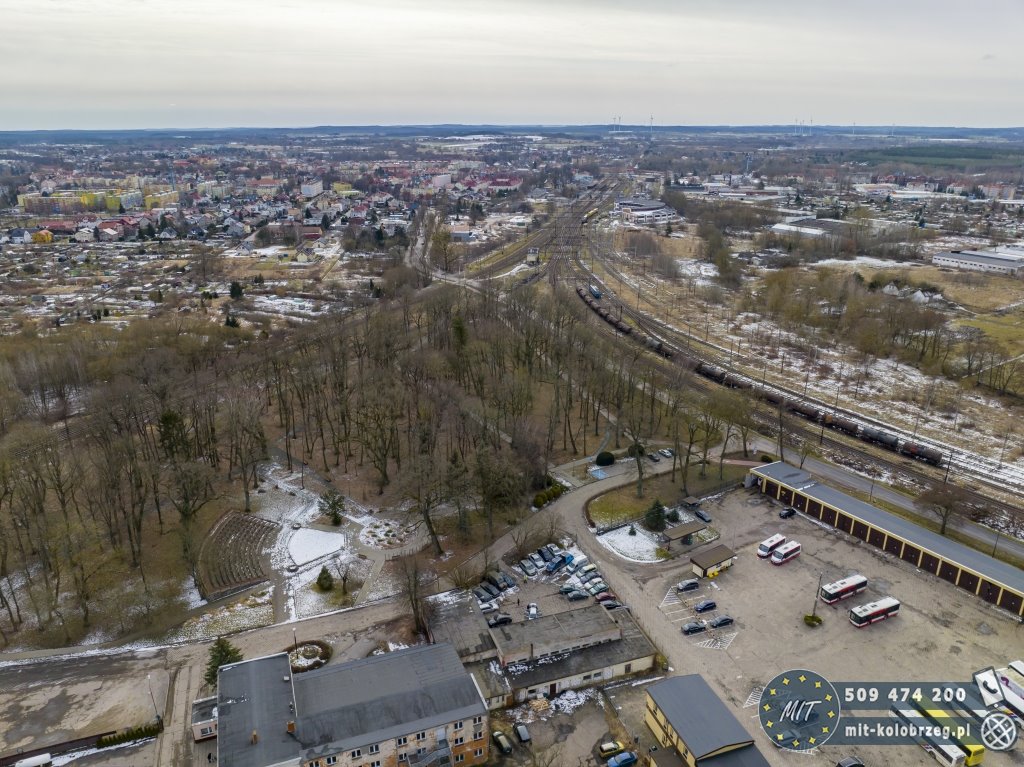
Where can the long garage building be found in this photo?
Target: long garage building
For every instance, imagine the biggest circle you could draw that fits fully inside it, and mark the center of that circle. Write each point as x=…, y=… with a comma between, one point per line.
x=982, y=575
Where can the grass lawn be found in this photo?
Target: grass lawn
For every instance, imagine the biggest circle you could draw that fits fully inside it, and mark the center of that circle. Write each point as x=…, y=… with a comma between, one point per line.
x=622, y=504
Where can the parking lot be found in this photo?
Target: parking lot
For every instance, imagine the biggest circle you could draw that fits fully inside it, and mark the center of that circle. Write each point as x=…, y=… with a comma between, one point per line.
x=941, y=633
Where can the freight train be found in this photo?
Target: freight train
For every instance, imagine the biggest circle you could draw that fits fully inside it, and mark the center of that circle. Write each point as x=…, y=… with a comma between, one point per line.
x=592, y=298
x=808, y=410
x=820, y=415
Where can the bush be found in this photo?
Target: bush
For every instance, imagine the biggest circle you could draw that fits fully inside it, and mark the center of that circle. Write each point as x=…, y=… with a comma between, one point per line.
x=636, y=450
x=127, y=736
x=604, y=459
x=813, y=620
x=662, y=553
x=767, y=459
x=632, y=530
x=325, y=581
x=540, y=499
x=672, y=516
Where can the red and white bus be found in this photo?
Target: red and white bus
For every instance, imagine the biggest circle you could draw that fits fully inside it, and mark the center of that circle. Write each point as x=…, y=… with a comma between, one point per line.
x=768, y=546
x=786, y=552
x=833, y=592
x=873, y=612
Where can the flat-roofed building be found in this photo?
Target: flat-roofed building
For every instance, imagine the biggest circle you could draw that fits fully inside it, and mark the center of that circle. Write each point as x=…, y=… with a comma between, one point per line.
x=992, y=261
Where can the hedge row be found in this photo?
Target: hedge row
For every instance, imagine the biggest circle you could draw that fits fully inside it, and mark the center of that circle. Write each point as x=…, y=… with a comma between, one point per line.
x=135, y=733
x=546, y=496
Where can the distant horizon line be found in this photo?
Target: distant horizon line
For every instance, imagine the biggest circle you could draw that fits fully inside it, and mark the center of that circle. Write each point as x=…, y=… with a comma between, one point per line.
x=609, y=127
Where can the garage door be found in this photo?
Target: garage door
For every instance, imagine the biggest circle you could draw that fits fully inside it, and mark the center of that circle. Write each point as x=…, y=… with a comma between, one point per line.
x=1009, y=601
x=785, y=494
x=989, y=591
x=844, y=523
x=948, y=572
x=814, y=509
x=800, y=502
x=893, y=545
x=929, y=562
x=968, y=581
x=911, y=554
x=860, y=530
x=770, y=488
x=876, y=538
x=828, y=515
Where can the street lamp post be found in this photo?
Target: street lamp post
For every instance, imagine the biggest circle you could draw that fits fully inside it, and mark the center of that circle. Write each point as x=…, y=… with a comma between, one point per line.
x=149, y=681
x=295, y=641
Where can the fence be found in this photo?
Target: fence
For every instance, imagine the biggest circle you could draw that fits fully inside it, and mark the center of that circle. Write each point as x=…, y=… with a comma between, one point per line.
x=89, y=741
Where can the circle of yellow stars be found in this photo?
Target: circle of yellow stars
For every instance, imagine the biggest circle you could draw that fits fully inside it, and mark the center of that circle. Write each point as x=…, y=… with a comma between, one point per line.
x=808, y=685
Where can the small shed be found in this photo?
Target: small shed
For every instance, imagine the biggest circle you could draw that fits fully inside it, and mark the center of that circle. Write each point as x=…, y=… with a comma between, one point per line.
x=690, y=502
x=708, y=564
x=204, y=719
x=683, y=532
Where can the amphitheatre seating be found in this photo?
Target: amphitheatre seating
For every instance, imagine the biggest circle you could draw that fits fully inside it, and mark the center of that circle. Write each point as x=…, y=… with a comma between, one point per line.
x=231, y=557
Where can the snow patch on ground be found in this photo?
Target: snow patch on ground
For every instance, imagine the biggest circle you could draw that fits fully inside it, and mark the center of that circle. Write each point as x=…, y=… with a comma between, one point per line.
x=307, y=545
x=251, y=612
x=878, y=263
x=566, y=703
x=641, y=547
x=701, y=272
x=190, y=595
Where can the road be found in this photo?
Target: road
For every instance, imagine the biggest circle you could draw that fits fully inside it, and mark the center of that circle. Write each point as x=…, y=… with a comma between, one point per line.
x=986, y=539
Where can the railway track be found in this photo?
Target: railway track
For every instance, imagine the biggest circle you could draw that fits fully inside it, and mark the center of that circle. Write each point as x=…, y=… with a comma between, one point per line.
x=690, y=349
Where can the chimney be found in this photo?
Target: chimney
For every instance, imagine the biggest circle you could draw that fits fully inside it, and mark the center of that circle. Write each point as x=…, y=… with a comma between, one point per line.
x=255, y=737
x=291, y=728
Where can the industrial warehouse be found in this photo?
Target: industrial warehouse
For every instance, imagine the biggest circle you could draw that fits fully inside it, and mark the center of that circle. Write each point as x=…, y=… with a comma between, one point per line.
x=994, y=581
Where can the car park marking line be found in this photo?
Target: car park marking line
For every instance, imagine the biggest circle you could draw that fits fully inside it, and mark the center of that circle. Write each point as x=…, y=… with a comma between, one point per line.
x=720, y=642
x=754, y=698
x=675, y=612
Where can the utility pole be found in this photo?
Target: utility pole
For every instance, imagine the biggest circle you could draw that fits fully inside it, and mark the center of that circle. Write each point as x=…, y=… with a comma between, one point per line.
x=814, y=609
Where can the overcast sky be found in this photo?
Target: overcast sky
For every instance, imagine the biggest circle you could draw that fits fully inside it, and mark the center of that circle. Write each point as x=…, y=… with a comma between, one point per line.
x=215, y=63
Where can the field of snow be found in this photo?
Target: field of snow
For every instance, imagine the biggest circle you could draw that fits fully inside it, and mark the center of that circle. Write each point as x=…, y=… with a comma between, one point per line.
x=307, y=545
x=641, y=547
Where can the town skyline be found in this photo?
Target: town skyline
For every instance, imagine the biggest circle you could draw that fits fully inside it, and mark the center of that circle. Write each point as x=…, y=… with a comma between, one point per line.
x=311, y=63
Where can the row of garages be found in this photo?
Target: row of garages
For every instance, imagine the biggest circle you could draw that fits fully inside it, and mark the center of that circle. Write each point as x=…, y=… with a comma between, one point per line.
x=994, y=581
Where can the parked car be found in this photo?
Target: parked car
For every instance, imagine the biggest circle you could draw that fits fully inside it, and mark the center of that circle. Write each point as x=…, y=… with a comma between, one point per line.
x=588, y=577
x=625, y=759
x=495, y=580
x=558, y=563
x=566, y=589
x=545, y=555
x=721, y=621
x=654, y=457
x=702, y=515
x=481, y=595
x=500, y=619
x=488, y=607
x=611, y=604
x=849, y=761
x=576, y=596
x=554, y=550
x=577, y=563
x=494, y=592
x=528, y=567
x=705, y=605
x=667, y=452
x=522, y=733
x=508, y=581
x=787, y=512
x=611, y=748
x=538, y=560
x=596, y=588
x=690, y=584
x=694, y=627
x=604, y=596
x=532, y=611
x=587, y=569
x=502, y=742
